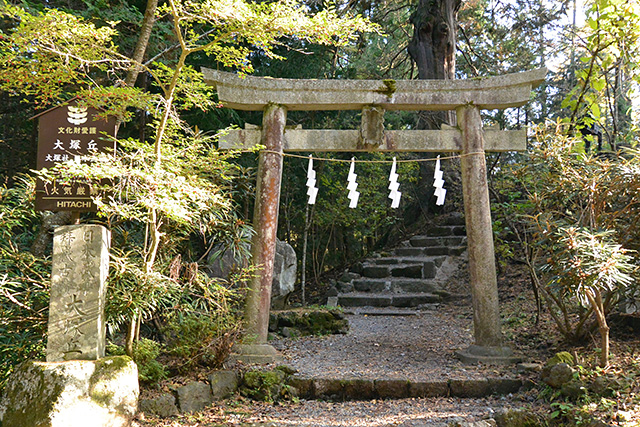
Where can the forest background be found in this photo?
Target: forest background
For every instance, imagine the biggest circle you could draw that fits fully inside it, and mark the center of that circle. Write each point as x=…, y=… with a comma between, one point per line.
x=567, y=209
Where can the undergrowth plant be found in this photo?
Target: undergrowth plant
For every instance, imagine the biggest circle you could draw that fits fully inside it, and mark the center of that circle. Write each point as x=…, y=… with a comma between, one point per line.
x=24, y=280
x=574, y=218
x=201, y=311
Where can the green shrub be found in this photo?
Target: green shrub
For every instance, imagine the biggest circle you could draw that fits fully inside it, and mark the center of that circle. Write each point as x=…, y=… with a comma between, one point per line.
x=145, y=354
x=577, y=230
x=24, y=280
x=202, y=338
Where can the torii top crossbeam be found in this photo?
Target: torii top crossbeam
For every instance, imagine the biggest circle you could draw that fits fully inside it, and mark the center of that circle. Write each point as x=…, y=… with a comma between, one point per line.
x=255, y=93
x=488, y=93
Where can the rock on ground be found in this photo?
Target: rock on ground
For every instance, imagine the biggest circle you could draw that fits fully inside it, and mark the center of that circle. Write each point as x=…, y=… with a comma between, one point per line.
x=161, y=406
x=194, y=397
x=91, y=393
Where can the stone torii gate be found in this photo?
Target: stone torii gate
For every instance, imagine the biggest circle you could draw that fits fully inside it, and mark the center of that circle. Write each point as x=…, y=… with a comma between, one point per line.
x=467, y=97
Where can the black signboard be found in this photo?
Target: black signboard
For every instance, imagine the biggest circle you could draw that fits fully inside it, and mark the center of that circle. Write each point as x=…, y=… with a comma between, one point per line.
x=70, y=133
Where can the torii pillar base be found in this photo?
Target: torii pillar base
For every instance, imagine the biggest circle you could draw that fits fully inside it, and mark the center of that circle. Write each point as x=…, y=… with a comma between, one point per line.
x=259, y=354
x=487, y=355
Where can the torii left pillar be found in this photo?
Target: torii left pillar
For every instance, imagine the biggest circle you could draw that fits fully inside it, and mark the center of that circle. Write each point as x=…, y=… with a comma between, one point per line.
x=265, y=217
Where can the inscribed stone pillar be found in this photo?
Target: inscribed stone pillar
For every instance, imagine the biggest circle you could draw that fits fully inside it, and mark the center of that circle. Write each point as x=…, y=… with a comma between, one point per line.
x=78, y=284
x=265, y=220
x=482, y=267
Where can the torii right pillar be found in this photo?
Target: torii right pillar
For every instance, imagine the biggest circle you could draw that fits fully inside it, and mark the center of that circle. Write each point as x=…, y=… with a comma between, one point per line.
x=488, y=346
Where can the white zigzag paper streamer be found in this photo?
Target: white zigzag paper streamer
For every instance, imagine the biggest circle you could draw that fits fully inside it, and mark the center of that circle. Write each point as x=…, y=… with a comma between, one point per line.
x=351, y=179
x=312, y=192
x=394, y=194
x=438, y=183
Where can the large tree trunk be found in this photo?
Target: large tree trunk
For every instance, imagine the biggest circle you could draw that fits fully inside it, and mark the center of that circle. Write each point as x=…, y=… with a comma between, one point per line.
x=433, y=49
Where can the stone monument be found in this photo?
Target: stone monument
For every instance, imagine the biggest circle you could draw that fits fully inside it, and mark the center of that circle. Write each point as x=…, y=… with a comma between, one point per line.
x=78, y=286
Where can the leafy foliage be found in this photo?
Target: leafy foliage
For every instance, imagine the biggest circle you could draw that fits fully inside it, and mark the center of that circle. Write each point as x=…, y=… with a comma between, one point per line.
x=145, y=354
x=48, y=51
x=24, y=280
x=577, y=230
x=172, y=188
x=588, y=263
x=608, y=49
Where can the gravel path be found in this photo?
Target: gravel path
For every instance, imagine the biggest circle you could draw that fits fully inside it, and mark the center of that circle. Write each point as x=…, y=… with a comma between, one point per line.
x=404, y=412
x=419, y=347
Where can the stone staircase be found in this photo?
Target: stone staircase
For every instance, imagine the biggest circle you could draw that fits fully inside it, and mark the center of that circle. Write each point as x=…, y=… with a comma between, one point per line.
x=412, y=275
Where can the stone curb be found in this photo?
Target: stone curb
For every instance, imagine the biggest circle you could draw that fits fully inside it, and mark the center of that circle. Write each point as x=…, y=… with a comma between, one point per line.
x=195, y=396
x=365, y=389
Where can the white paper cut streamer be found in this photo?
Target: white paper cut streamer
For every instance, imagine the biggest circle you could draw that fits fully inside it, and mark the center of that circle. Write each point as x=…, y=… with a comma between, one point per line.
x=394, y=194
x=312, y=192
x=438, y=183
x=353, y=194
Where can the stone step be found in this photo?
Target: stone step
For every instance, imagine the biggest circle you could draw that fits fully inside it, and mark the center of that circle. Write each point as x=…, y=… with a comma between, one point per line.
x=410, y=252
x=371, y=285
x=346, y=388
x=448, y=241
x=415, y=269
x=447, y=230
x=395, y=260
x=396, y=285
x=356, y=299
x=366, y=389
x=430, y=251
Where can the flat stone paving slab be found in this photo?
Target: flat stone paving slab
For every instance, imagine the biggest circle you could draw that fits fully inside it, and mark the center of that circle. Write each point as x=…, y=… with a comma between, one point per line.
x=371, y=299
x=384, y=311
x=365, y=300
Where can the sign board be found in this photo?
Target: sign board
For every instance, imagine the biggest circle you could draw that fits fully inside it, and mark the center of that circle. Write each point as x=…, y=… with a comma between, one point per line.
x=70, y=133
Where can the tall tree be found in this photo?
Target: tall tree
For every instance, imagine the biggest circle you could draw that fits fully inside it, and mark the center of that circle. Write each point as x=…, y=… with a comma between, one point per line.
x=433, y=47
x=162, y=188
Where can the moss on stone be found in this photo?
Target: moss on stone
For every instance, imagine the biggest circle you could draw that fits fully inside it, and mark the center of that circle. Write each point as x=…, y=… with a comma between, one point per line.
x=518, y=418
x=38, y=392
x=28, y=406
x=390, y=87
x=106, y=369
x=310, y=321
x=286, y=369
x=561, y=357
x=101, y=397
x=263, y=385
